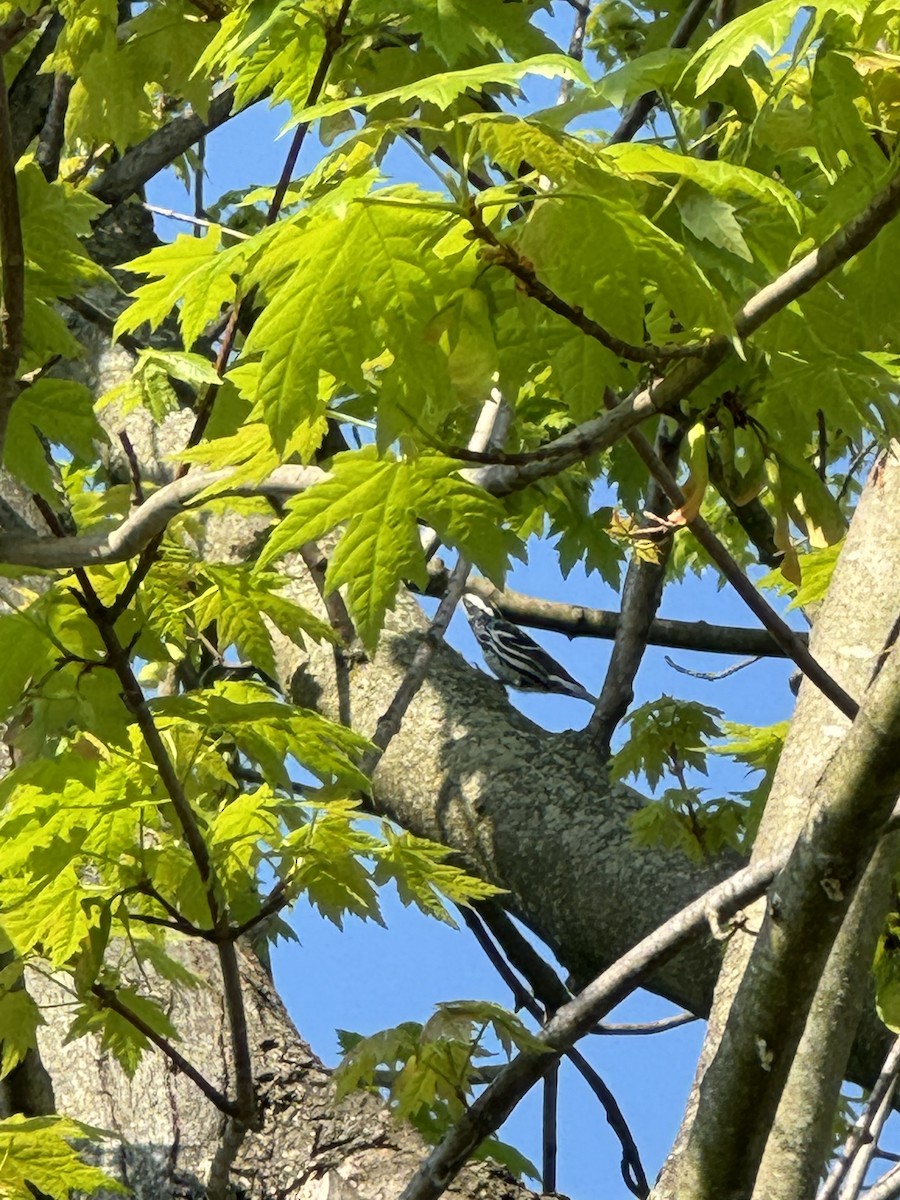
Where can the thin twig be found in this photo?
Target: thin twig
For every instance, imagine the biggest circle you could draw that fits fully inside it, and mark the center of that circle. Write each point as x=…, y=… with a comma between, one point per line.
x=110, y=1000
x=711, y=676
x=544, y=981
x=576, y=45
x=577, y=1018
x=390, y=720
x=200, y=222
x=12, y=255
x=549, y=1122
x=646, y=1028
x=334, y=35
x=641, y=597
x=574, y=620
x=133, y=697
x=879, y=1097
x=503, y=254
x=133, y=466
x=779, y=629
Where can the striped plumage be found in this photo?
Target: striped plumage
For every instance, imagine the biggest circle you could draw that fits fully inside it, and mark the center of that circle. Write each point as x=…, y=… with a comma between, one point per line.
x=514, y=657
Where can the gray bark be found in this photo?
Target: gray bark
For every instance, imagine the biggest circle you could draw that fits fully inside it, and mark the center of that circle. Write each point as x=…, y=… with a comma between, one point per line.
x=165, y=1136
x=851, y=629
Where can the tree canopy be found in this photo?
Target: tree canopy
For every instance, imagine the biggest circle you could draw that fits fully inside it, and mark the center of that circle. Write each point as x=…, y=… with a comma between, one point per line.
x=651, y=317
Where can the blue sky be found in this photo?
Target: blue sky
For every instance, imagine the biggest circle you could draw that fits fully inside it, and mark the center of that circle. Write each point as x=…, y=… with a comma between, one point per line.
x=367, y=978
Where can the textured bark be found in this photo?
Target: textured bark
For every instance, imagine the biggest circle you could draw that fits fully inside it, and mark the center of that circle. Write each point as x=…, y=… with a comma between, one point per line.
x=309, y=1147
x=851, y=629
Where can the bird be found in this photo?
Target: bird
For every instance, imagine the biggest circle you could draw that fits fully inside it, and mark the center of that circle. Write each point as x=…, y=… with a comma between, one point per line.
x=515, y=658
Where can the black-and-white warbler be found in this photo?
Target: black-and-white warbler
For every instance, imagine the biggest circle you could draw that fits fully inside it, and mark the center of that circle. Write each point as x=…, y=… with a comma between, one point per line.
x=514, y=657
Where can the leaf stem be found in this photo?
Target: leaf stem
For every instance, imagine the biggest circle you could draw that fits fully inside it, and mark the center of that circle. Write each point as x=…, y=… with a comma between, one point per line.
x=12, y=257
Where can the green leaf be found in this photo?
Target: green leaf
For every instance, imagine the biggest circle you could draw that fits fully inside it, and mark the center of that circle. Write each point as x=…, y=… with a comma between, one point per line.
x=269, y=732
x=816, y=569
x=722, y=179
x=886, y=969
x=50, y=917
x=55, y=217
x=422, y=876
x=325, y=853
x=51, y=413
x=363, y=1055
x=769, y=25
x=36, y=1155
x=193, y=272
x=714, y=221
x=239, y=599
x=457, y=29
x=380, y=501
x=25, y=655
x=656, y=70
x=268, y=47
x=664, y=733
x=19, y=1020
x=444, y=88
x=350, y=288
x=507, y=1156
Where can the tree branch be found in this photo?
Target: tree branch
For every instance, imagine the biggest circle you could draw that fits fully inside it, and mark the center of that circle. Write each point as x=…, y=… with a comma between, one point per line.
x=861, y=1133
x=647, y=1028
x=505, y=255
x=334, y=36
x=856, y=796
x=110, y=1000
x=129, y=173
x=574, y=620
x=779, y=629
x=146, y=522
x=664, y=393
x=543, y=981
x=885, y=1188
x=641, y=596
x=133, y=697
x=31, y=91
x=642, y=107
x=576, y=1018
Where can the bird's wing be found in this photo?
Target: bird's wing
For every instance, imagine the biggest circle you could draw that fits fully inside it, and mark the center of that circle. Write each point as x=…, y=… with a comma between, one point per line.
x=533, y=662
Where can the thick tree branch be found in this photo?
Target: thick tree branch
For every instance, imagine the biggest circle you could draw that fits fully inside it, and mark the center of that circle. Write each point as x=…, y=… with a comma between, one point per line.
x=855, y=798
x=574, y=620
x=128, y=174
x=146, y=522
